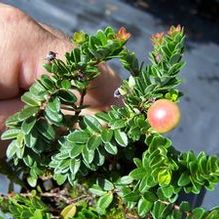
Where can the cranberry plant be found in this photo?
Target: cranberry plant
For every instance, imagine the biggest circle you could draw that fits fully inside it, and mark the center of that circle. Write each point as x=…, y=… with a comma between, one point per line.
x=113, y=164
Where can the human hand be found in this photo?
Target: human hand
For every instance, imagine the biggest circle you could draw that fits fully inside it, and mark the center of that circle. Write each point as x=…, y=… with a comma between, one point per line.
x=24, y=44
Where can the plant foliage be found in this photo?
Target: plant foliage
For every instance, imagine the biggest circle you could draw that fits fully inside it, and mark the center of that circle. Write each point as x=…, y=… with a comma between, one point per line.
x=111, y=164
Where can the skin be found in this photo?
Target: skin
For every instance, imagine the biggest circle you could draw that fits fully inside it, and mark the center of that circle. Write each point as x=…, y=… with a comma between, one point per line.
x=163, y=115
x=24, y=44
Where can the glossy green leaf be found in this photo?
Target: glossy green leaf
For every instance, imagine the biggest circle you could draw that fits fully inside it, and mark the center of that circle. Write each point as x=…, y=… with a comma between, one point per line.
x=53, y=117
x=144, y=206
x=185, y=206
x=28, y=160
x=10, y=134
x=40, y=145
x=11, y=149
x=138, y=173
x=88, y=155
x=60, y=178
x=92, y=124
x=158, y=209
x=176, y=214
x=125, y=180
x=143, y=186
x=69, y=211
x=121, y=138
x=46, y=130
x=105, y=184
x=32, y=181
x=64, y=166
x=132, y=197
x=37, y=88
x=117, y=124
x=199, y=213
x=66, y=84
x=12, y=120
x=46, y=81
x=150, y=196
x=20, y=139
x=74, y=165
x=67, y=96
x=76, y=150
x=28, y=124
x=78, y=136
x=106, y=135
x=137, y=162
x=110, y=148
x=214, y=214
x=48, y=67
x=109, y=31
x=94, y=142
x=30, y=100
x=168, y=191
x=31, y=138
x=99, y=157
x=97, y=190
x=164, y=177
x=54, y=104
x=102, y=37
x=62, y=155
x=184, y=179
x=28, y=112
x=103, y=116
x=104, y=202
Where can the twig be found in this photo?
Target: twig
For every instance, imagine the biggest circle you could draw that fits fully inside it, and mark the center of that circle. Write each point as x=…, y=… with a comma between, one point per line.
x=83, y=93
x=188, y=213
x=56, y=195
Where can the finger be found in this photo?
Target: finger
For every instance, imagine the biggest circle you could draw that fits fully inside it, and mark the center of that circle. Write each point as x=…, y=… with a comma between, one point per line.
x=107, y=83
x=7, y=108
x=22, y=52
x=27, y=52
x=101, y=89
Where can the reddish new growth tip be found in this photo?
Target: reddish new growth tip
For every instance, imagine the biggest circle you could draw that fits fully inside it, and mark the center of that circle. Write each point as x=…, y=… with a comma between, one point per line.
x=173, y=30
x=157, y=38
x=122, y=34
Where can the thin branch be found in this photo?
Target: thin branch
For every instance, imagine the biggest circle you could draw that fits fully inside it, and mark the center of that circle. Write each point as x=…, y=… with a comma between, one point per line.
x=58, y=195
x=83, y=93
x=188, y=213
